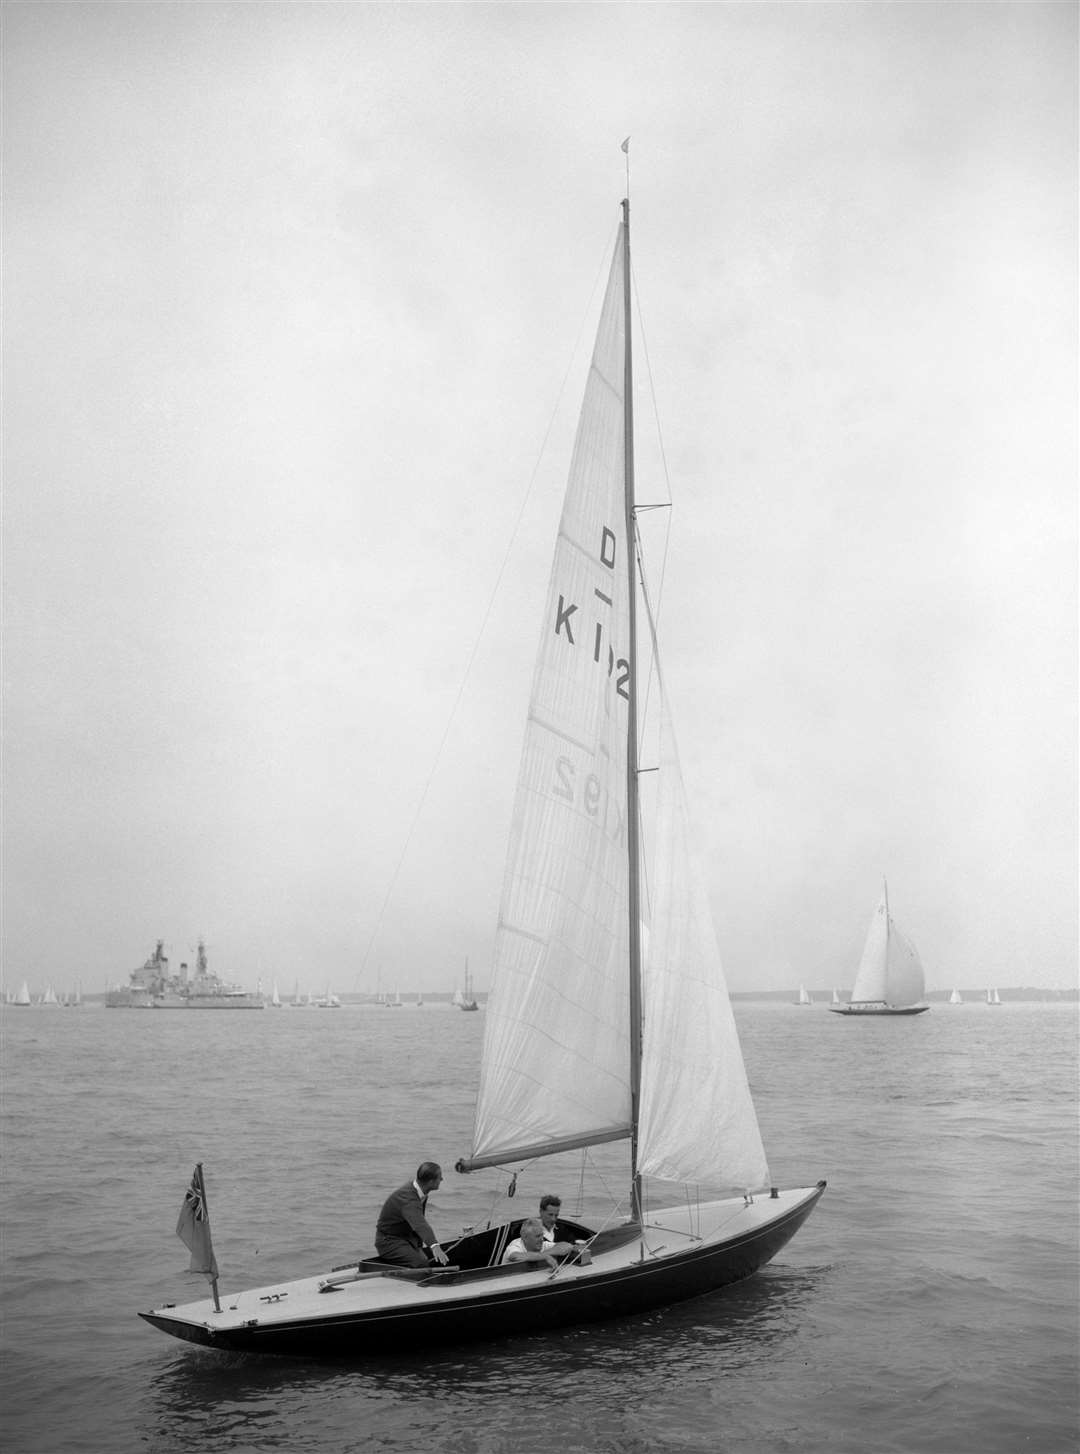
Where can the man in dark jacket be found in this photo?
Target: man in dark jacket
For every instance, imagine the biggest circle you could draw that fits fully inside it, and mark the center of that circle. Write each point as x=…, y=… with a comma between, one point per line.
x=403, y=1234
x=554, y=1240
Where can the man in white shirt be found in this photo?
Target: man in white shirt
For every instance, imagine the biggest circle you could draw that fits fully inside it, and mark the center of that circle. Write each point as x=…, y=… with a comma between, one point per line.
x=531, y=1247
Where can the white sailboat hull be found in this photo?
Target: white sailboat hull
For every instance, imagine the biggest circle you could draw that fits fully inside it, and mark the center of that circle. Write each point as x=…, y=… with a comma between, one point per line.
x=680, y=1253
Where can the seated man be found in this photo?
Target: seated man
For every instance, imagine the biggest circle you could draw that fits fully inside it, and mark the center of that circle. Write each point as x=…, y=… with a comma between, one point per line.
x=403, y=1234
x=531, y=1247
x=550, y=1207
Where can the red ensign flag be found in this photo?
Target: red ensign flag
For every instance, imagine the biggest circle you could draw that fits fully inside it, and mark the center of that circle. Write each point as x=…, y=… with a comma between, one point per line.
x=193, y=1228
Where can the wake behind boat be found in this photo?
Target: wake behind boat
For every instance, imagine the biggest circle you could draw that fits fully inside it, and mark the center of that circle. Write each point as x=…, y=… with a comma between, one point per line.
x=890, y=979
x=589, y=1037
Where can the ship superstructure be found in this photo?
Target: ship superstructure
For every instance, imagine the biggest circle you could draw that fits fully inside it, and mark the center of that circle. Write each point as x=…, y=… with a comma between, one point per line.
x=153, y=987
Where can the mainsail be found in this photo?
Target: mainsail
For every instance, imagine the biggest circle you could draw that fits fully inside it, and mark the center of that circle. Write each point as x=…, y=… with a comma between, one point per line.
x=555, y=1069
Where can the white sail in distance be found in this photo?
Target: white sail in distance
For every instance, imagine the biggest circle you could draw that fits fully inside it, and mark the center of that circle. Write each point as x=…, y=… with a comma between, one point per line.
x=890, y=971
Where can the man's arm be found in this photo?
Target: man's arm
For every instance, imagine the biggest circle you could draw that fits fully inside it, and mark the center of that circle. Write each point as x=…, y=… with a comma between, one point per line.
x=413, y=1214
x=523, y=1255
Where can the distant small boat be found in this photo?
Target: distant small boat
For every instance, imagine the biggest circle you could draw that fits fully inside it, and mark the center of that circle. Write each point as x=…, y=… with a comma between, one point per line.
x=275, y=999
x=836, y=997
x=992, y=997
x=23, y=997
x=954, y=998
x=890, y=979
x=328, y=1001
x=465, y=999
x=803, y=997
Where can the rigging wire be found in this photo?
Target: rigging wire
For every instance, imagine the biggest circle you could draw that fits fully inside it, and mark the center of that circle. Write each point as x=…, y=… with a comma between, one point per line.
x=653, y=618
x=527, y=495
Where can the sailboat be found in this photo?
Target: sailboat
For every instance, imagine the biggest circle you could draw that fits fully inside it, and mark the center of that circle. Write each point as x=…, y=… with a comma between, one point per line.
x=803, y=997
x=276, y=1002
x=835, y=997
x=890, y=979
x=992, y=997
x=466, y=999
x=23, y=997
x=608, y=1018
x=954, y=998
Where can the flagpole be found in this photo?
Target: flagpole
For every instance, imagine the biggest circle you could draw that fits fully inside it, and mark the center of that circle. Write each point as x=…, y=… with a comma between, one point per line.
x=206, y=1210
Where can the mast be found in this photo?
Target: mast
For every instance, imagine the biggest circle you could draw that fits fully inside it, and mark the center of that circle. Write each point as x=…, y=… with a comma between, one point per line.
x=632, y=821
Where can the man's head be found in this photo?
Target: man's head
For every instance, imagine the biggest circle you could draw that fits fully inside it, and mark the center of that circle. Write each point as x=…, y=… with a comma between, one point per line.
x=429, y=1176
x=550, y=1206
x=532, y=1235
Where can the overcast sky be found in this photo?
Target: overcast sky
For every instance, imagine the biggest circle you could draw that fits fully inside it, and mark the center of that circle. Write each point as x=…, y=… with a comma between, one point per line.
x=298, y=301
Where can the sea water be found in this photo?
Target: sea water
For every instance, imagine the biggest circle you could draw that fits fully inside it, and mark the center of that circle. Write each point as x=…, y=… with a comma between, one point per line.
x=929, y=1304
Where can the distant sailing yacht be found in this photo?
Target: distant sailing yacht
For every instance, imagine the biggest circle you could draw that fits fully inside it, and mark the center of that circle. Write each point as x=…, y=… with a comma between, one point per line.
x=467, y=1000
x=890, y=980
x=992, y=997
x=803, y=997
x=954, y=998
